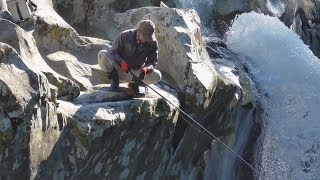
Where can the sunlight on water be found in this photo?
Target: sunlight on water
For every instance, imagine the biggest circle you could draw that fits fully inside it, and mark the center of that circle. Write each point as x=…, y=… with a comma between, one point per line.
x=287, y=75
x=276, y=7
x=204, y=9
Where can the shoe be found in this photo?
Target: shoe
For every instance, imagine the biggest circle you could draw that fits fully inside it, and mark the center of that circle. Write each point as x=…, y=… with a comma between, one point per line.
x=114, y=78
x=135, y=88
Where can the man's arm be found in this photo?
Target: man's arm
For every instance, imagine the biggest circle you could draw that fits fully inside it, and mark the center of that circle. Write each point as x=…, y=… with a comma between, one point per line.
x=117, y=47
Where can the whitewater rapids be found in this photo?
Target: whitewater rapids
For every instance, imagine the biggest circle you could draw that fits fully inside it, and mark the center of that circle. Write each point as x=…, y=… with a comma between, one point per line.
x=287, y=76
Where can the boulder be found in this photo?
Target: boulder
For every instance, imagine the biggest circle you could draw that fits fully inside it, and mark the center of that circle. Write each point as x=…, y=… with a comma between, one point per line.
x=67, y=89
x=3, y=5
x=305, y=21
x=28, y=118
x=68, y=65
x=86, y=16
x=67, y=53
x=4, y=12
x=100, y=93
x=24, y=43
x=231, y=118
x=118, y=140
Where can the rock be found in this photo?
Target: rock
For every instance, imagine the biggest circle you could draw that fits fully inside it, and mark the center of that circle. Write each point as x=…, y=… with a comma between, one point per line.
x=87, y=16
x=28, y=116
x=69, y=66
x=3, y=5
x=96, y=40
x=13, y=35
x=53, y=33
x=93, y=129
x=273, y=8
x=4, y=12
x=234, y=95
x=163, y=5
x=66, y=52
x=10, y=79
x=206, y=156
x=101, y=93
x=67, y=89
x=302, y=20
x=20, y=10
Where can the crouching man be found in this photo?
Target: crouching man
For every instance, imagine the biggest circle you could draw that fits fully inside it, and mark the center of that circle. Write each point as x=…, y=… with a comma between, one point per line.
x=134, y=50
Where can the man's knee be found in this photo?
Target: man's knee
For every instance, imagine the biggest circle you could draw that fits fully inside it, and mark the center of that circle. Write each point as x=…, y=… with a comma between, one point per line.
x=102, y=56
x=105, y=61
x=153, y=77
x=158, y=76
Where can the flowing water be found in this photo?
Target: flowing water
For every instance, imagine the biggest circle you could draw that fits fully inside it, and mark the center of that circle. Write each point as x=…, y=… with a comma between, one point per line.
x=287, y=75
x=204, y=9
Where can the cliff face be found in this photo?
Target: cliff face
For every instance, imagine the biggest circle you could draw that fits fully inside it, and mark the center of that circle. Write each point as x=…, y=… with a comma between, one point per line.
x=59, y=121
x=29, y=120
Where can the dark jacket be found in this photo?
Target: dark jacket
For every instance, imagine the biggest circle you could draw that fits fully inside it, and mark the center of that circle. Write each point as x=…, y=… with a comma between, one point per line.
x=126, y=47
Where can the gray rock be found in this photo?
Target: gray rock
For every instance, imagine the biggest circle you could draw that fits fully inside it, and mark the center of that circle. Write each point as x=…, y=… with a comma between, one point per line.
x=3, y=5
x=87, y=17
x=94, y=128
x=66, y=89
x=13, y=34
x=26, y=102
x=67, y=53
x=4, y=12
x=101, y=93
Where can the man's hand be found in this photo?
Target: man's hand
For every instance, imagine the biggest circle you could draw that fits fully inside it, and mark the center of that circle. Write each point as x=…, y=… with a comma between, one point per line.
x=125, y=66
x=145, y=70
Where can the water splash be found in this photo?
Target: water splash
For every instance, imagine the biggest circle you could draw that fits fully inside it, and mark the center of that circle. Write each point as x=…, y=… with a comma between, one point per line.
x=276, y=7
x=287, y=74
x=204, y=9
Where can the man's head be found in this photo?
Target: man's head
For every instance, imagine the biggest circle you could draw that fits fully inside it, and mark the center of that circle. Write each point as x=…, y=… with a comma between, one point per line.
x=145, y=31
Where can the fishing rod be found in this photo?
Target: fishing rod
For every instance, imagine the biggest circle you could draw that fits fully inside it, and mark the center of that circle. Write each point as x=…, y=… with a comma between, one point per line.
x=197, y=125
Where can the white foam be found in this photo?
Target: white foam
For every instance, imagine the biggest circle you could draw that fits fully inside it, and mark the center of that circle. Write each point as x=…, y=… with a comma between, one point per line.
x=287, y=75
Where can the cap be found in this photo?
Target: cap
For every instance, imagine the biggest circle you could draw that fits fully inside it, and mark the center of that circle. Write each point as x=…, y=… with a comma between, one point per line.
x=146, y=27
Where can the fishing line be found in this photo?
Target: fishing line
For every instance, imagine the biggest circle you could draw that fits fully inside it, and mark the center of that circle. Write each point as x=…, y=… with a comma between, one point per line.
x=198, y=126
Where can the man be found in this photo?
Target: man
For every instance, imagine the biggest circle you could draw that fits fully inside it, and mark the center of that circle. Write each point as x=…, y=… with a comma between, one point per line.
x=134, y=50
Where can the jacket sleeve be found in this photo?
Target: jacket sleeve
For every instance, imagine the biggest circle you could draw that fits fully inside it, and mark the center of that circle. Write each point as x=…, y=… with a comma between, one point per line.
x=152, y=57
x=117, y=47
